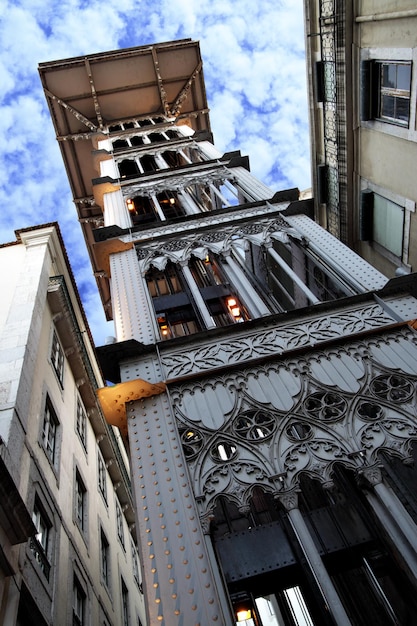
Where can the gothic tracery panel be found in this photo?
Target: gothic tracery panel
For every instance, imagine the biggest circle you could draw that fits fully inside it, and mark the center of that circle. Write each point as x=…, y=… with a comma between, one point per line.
x=271, y=424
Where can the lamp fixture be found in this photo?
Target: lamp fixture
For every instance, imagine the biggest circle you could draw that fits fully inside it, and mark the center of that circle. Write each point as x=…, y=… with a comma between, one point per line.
x=243, y=615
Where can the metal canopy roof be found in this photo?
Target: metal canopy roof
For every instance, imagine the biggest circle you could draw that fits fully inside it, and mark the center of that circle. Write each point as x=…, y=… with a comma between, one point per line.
x=87, y=94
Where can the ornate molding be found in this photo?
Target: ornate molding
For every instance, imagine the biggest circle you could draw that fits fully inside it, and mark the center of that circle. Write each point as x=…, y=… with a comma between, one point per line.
x=288, y=499
x=276, y=340
x=208, y=220
x=219, y=241
x=156, y=184
x=240, y=430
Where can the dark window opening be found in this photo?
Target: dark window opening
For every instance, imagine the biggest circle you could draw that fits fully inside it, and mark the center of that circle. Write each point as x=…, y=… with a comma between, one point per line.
x=227, y=310
x=170, y=204
x=40, y=543
x=120, y=144
x=115, y=128
x=136, y=140
x=128, y=169
x=163, y=283
x=156, y=137
x=105, y=558
x=206, y=273
x=172, y=159
x=129, y=125
x=172, y=134
x=141, y=210
x=50, y=431
x=57, y=357
x=178, y=323
x=125, y=604
x=80, y=503
x=229, y=519
x=79, y=603
x=148, y=163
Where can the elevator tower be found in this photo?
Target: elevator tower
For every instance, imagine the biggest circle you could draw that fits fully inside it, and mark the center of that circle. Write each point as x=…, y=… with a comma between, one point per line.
x=263, y=374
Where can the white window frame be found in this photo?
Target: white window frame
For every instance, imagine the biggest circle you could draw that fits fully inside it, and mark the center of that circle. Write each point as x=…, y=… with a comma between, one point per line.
x=105, y=558
x=125, y=603
x=79, y=603
x=135, y=562
x=394, y=55
x=57, y=357
x=80, y=502
x=101, y=476
x=50, y=431
x=409, y=207
x=81, y=423
x=119, y=524
x=41, y=543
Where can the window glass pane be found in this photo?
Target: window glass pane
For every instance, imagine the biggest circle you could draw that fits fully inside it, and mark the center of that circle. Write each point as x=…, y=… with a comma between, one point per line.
x=389, y=75
x=394, y=88
x=404, y=77
x=403, y=106
x=388, y=224
x=388, y=106
x=162, y=287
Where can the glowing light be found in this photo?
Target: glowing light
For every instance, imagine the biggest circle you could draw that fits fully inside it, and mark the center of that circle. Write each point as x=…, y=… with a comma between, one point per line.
x=244, y=615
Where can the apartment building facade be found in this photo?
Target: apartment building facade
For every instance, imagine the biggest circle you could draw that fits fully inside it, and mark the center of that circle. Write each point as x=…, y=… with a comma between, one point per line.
x=361, y=59
x=68, y=553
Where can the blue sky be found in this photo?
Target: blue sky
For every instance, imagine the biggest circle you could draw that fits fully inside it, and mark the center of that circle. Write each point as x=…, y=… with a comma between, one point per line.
x=254, y=67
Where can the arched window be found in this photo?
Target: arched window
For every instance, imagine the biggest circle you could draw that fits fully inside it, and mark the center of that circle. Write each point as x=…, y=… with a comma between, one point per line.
x=173, y=159
x=156, y=137
x=170, y=204
x=136, y=140
x=119, y=144
x=141, y=210
x=128, y=169
x=148, y=163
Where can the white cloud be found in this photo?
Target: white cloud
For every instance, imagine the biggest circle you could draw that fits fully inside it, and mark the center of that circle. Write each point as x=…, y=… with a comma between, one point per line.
x=255, y=77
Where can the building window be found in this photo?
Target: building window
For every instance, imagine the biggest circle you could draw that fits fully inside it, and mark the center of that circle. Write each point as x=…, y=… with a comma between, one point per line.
x=102, y=477
x=81, y=423
x=382, y=221
x=105, y=559
x=388, y=225
x=119, y=523
x=57, y=358
x=163, y=283
x=394, y=92
x=135, y=562
x=125, y=604
x=50, y=430
x=385, y=91
x=39, y=544
x=79, y=603
x=80, y=502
